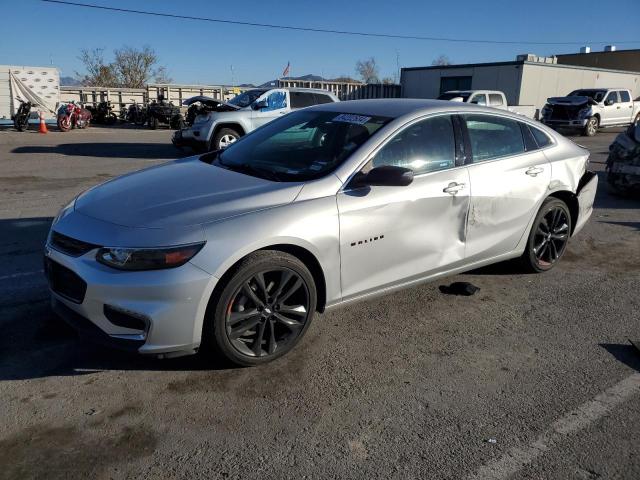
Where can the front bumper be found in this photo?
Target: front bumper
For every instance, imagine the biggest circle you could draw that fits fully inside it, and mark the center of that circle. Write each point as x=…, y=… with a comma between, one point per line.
x=169, y=304
x=188, y=138
x=573, y=123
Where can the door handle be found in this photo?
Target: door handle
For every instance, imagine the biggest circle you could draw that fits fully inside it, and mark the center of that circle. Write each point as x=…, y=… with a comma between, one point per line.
x=533, y=171
x=453, y=188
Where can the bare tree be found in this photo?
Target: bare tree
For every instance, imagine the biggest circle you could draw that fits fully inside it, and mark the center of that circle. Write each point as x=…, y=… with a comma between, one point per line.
x=161, y=75
x=368, y=70
x=98, y=72
x=442, y=60
x=134, y=67
x=131, y=68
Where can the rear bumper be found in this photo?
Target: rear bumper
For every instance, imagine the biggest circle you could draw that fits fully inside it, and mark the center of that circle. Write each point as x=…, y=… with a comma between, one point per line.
x=586, y=196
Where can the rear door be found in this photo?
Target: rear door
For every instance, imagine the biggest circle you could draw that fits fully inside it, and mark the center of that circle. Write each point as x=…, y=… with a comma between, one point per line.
x=626, y=106
x=509, y=176
x=392, y=235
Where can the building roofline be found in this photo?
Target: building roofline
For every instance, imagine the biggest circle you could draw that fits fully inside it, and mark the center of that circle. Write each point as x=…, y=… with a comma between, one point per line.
x=577, y=54
x=516, y=62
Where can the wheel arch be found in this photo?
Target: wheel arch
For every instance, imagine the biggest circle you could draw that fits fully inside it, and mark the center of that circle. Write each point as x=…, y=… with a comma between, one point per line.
x=234, y=125
x=571, y=200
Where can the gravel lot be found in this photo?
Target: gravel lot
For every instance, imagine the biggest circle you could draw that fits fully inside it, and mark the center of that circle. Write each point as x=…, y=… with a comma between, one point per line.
x=531, y=378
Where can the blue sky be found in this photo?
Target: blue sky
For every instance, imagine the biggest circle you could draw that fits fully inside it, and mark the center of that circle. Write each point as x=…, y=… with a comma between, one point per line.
x=37, y=33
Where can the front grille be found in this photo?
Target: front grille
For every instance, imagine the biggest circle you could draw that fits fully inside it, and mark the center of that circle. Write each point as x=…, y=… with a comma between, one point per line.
x=562, y=112
x=70, y=246
x=65, y=282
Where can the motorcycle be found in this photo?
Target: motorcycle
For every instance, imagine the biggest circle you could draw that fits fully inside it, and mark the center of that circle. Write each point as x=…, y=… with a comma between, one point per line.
x=623, y=163
x=21, y=118
x=71, y=115
x=136, y=113
x=103, y=113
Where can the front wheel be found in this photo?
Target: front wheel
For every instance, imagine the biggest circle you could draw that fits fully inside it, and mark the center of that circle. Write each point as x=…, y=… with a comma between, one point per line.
x=263, y=310
x=591, y=128
x=223, y=138
x=153, y=123
x=21, y=122
x=64, y=123
x=549, y=236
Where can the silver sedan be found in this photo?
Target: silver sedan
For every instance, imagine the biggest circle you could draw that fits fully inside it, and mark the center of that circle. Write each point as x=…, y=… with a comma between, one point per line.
x=235, y=250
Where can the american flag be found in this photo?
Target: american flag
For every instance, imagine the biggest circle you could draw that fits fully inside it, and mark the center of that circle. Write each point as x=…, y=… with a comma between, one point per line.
x=286, y=70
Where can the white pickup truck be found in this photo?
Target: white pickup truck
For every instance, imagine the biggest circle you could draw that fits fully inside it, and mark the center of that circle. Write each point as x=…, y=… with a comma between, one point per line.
x=588, y=109
x=489, y=98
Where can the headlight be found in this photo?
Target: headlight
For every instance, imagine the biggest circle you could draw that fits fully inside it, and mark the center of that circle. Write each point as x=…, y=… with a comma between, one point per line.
x=585, y=112
x=64, y=211
x=148, y=258
x=545, y=110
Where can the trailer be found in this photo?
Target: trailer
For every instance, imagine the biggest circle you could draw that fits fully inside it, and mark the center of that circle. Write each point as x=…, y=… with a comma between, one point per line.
x=39, y=85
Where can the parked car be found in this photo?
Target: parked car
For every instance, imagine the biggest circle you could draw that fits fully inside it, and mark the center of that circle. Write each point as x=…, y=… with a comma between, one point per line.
x=589, y=109
x=220, y=126
x=488, y=98
x=236, y=249
x=623, y=163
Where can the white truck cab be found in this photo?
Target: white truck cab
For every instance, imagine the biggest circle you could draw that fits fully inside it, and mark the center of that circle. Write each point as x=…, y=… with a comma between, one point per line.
x=488, y=98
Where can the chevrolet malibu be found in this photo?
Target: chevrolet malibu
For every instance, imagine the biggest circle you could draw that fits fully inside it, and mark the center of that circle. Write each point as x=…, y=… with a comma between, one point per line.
x=236, y=249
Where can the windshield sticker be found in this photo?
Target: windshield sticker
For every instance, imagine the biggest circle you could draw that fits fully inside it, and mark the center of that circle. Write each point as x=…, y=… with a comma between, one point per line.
x=351, y=118
x=316, y=166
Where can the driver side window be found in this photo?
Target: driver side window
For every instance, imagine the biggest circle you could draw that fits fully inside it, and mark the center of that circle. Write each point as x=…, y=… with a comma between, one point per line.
x=611, y=98
x=275, y=101
x=479, y=99
x=425, y=146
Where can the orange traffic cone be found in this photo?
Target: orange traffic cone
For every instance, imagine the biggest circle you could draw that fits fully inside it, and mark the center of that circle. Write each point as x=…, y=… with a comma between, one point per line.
x=43, y=126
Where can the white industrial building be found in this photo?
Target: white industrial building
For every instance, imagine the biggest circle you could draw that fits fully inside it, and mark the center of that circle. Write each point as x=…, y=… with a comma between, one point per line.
x=529, y=80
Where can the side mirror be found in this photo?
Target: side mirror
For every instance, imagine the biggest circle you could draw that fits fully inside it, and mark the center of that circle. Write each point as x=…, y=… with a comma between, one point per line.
x=259, y=105
x=386, y=176
x=609, y=102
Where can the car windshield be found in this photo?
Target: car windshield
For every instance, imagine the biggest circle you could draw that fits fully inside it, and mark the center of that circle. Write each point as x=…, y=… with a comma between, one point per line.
x=597, y=95
x=450, y=95
x=302, y=146
x=246, y=98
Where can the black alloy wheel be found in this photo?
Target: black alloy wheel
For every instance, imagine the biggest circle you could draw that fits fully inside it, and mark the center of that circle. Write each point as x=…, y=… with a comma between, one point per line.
x=549, y=236
x=263, y=309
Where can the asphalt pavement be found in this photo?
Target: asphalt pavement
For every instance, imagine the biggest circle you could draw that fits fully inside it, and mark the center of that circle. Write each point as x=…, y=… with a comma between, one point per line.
x=532, y=377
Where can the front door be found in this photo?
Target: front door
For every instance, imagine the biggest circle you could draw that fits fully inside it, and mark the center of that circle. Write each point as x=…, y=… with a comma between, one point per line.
x=508, y=182
x=277, y=104
x=611, y=110
x=389, y=235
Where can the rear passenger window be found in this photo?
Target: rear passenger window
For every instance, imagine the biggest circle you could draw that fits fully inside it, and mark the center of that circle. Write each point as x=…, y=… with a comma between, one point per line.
x=495, y=100
x=493, y=137
x=302, y=99
x=624, y=96
x=542, y=139
x=426, y=146
x=320, y=98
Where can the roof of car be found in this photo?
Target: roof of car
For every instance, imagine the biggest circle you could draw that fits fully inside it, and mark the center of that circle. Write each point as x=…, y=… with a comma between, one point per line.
x=388, y=107
x=308, y=90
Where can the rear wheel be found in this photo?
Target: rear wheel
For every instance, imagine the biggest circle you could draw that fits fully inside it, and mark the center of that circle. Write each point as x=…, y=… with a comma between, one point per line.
x=21, y=122
x=64, y=123
x=591, y=128
x=263, y=310
x=637, y=120
x=548, y=237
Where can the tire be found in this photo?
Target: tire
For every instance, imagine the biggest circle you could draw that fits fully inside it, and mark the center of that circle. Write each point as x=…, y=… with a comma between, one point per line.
x=177, y=122
x=21, y=123
x=546, y=246
x=110, y=119
x=64, y=123
x=222, y=138
x=591, y=128
x=260, y=334
x=153, y=123
x=636, y=121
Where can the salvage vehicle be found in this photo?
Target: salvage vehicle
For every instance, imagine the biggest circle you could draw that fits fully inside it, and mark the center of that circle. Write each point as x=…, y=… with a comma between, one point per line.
x=488, y=98
x=161, y=112
x=589, y=109
x=220, y=125
x=623, y=163
x=235, y=250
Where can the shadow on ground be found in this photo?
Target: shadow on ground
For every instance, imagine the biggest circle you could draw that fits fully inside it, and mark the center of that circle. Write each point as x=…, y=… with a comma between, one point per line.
x=625, y=353
x=108, y=150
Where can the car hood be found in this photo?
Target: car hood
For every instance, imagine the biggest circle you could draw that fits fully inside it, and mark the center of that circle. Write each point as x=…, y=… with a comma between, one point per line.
x=182, y=193
x=573, y=101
